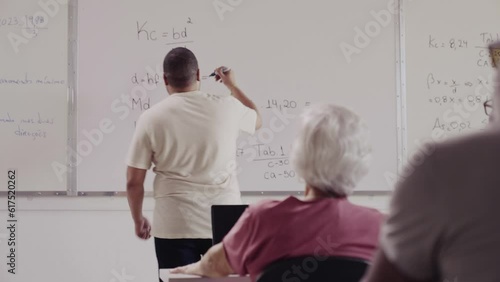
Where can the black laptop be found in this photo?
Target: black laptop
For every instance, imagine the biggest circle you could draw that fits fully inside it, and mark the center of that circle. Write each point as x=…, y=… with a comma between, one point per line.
x=224, y=217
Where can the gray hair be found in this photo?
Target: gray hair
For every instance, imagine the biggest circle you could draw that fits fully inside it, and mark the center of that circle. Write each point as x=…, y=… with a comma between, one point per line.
x=332, y=150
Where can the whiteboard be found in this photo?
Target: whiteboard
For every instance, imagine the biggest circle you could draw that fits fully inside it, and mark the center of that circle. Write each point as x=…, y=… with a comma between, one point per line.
x=33, y=94
x=286, y=55
x=449, y=73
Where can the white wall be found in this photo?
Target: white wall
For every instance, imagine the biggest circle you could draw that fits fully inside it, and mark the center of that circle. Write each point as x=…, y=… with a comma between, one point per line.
x=89, y=239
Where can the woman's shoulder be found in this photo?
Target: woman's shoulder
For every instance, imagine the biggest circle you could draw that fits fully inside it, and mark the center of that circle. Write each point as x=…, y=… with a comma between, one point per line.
x=266, y=206
x=366, y=212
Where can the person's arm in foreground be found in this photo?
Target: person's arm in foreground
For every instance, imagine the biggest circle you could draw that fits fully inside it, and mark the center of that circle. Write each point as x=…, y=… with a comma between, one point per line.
x=228, y=79
x=135, y=196
x=213, y=264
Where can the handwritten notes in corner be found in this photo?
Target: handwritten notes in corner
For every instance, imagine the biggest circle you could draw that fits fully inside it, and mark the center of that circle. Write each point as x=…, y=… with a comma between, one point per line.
x=28, y=79
x=36, y=126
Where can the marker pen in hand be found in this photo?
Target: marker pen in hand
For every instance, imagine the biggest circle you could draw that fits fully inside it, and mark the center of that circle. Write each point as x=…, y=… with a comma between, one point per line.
x=225, y=69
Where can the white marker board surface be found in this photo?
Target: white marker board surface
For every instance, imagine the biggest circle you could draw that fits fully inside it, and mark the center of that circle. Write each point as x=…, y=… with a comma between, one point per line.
x=286, y=54
x=449, y=70
x=33, y=95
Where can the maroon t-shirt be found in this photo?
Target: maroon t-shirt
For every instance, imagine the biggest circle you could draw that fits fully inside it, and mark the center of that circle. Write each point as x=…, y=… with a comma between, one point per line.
x=274, y=230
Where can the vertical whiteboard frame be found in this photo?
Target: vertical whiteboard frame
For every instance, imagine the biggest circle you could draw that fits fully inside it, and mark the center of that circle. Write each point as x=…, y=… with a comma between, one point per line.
x=72, y=97
x=401, y=86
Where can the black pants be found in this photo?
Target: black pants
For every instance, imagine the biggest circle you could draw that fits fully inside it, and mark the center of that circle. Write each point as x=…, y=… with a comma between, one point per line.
x=172, y=253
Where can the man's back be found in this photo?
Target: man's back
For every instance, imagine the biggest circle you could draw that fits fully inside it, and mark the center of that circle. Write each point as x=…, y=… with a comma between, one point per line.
x=444, y=218
x=194, y=136
x=191, y=139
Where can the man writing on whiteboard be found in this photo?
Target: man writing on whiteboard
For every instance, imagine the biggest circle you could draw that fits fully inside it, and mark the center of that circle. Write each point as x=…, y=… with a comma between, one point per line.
x=190, y=137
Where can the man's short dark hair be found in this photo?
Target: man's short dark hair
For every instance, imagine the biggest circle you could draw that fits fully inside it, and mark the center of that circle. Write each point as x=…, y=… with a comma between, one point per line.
x=180, y=67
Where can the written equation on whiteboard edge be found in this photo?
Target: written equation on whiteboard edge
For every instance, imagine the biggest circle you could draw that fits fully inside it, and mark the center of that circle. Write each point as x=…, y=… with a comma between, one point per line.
x=455, y=127
x=32, y=126
x=484, y=58
x=30, y=24
x=454, y=85
x=471, y=100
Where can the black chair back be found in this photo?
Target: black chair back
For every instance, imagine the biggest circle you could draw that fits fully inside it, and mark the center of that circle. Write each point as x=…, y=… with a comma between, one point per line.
x=312, y=269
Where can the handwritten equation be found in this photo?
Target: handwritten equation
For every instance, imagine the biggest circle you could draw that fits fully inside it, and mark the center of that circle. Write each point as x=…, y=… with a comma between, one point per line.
x=454, y=85
x=148, y=78
x=472, y=100
x=31, y=24
x=457, y=43
x=274, y=160
x=175, y=35
x=478, y=44
x=454, y=127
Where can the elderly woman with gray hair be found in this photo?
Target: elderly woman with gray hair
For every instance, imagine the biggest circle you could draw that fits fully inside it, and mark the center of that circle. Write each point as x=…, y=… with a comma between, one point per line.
x=331, y=153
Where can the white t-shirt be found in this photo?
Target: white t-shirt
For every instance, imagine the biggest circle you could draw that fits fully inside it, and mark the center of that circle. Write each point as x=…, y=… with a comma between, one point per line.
x=191, y=139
